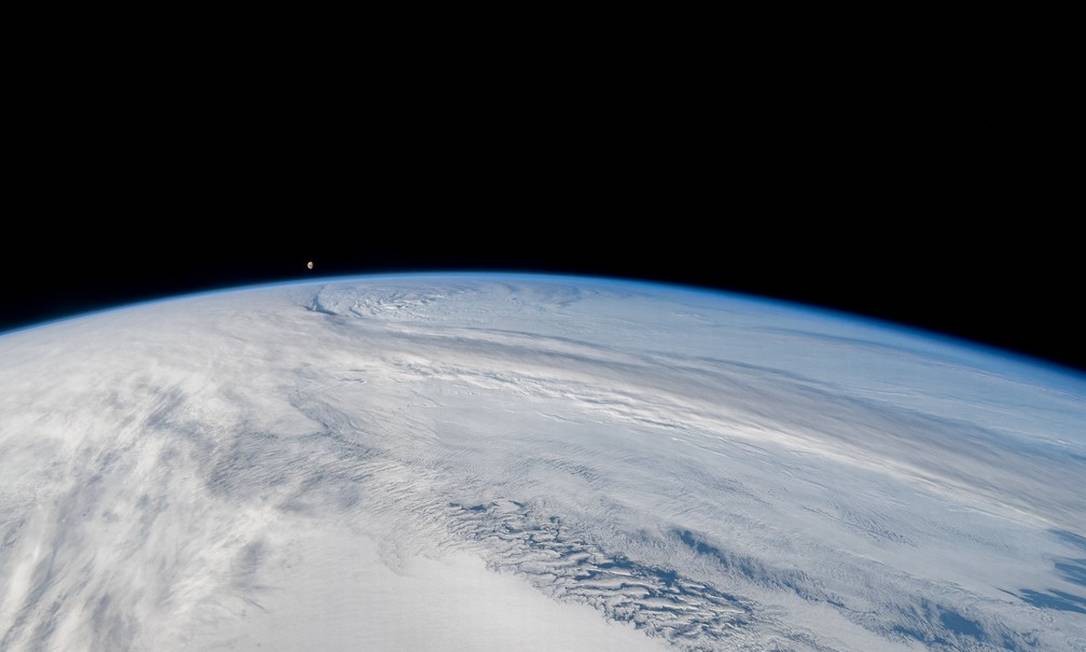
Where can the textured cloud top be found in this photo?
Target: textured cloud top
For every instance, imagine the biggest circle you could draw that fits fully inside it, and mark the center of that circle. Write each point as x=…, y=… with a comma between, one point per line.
x=526, y=462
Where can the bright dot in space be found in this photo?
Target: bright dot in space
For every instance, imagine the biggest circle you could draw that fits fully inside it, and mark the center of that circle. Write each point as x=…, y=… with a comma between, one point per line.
x=309, y=265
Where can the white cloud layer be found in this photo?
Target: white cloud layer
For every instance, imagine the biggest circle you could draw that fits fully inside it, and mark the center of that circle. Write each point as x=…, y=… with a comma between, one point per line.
x=481, y=462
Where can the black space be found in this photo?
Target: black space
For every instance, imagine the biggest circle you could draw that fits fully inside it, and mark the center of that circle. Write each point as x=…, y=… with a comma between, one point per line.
x=928, y=205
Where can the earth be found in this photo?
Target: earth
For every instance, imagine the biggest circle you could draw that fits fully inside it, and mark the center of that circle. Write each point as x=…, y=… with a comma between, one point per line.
x=524, y=462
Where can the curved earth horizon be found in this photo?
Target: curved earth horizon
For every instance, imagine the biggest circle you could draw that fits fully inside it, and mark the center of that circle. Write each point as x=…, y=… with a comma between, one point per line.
x=495, y=461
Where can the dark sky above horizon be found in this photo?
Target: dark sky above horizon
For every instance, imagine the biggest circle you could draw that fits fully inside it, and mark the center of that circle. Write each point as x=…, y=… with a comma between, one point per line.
x=990, y=291
x=914, y=198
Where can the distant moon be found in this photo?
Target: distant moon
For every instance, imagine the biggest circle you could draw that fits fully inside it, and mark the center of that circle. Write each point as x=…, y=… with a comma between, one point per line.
x=309, y=265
